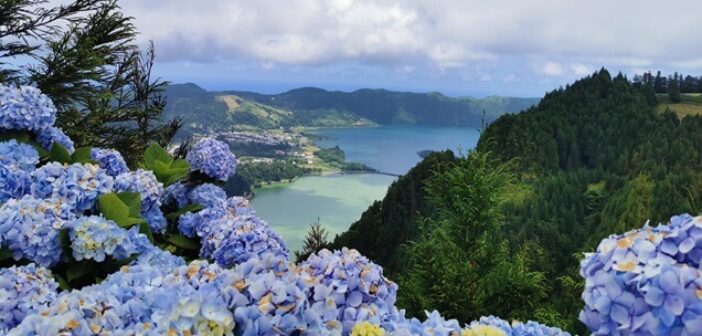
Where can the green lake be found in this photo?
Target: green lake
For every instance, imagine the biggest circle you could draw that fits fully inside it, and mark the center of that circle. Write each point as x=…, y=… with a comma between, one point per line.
x=338, y=200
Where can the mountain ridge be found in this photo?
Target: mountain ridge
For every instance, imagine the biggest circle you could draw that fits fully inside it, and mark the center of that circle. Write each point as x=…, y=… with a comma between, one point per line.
x=206, y=111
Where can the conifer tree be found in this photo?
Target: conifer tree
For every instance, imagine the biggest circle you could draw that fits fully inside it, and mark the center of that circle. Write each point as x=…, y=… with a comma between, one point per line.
x=83, y=55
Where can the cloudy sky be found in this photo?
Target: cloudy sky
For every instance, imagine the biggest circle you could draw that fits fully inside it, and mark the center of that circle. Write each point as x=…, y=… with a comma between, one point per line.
x=459, y=47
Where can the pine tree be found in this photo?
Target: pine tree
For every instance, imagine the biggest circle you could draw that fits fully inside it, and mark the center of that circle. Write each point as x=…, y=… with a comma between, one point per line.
x=315, y=240
x=83, y=56
x=674, y=89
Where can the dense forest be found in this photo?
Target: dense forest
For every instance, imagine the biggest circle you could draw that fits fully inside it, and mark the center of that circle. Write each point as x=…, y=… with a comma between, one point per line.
x=591, y=159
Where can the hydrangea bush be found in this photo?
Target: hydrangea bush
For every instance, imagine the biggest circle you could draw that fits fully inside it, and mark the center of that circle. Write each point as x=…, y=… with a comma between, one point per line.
x=90, y=247
x=646, y=282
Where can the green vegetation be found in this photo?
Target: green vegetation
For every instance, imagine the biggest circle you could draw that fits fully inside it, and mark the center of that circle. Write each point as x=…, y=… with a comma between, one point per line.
x=203, y=111
x=317, y=238
x=258, y=173
x=316, y=107
x=591, y=159
x=389, y=223
x=335, y=158
x=83, y=55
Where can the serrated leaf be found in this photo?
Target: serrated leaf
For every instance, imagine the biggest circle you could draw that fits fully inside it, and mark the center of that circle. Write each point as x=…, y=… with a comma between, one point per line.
x=59, y=153
x=183, y=242
x=145, y=229
x=77, y=271
x=133, y=201
x=188, y=208
x=82, y=155
x=113, y=208
x=156, y=153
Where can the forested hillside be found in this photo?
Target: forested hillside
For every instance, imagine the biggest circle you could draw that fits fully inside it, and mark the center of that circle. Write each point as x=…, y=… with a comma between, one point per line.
x=390, y=107
x=389, y=223
x=204, y=111
x=594, y=158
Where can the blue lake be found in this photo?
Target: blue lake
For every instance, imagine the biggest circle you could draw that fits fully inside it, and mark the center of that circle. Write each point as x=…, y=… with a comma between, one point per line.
x=339, y=200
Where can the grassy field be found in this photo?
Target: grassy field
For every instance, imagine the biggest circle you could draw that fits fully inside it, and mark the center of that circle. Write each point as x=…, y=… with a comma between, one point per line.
x=691, y=105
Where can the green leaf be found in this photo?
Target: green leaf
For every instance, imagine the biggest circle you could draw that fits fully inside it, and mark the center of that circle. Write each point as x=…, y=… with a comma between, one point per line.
x=65, y=242
x=77, y=271
x=59, y=153
x=156, y=153
x=174, y=175
x=133, y=201
x=19, y=136
x=183, y=242
x=43, y=153
x=130, y=221
x=82, y=155
x=113, y=208
x=5, y=254
x=61, y=282
x=145, y=229
x=188, y=208
x=180, y=163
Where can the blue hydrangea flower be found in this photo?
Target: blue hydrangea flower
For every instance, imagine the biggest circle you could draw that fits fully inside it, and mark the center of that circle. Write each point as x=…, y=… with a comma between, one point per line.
x=24, y=290
x=346, y=288
x=109, y=160
x=29, y=227
x=18, y=155
x=646, y=281
x=231, y=234
x=145, y=183
x=207, y=195
x=176, y=193
x=25, y=108
x=212, y=158
x=76, y=185
x=47, y=136
x=154, y=217
x=142, y=300
x=14, y=183
x=94, y=237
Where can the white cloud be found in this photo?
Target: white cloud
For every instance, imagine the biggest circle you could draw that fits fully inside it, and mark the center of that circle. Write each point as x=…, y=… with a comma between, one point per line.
x=552, y=69
x=565, y=38
x=580, y=70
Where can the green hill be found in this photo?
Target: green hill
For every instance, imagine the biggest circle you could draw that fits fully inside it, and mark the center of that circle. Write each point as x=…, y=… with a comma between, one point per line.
x=204, y=111
x=390, y=107
x=591, y=159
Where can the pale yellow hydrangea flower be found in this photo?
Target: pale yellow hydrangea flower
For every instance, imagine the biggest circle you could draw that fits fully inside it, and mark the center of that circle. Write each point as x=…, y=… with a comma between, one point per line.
x=482, y=330
x=366, y=328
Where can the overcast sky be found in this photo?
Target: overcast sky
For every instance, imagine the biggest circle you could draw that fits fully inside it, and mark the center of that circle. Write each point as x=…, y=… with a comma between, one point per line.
x=459, y=47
